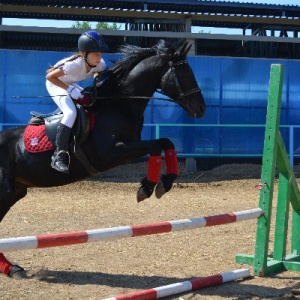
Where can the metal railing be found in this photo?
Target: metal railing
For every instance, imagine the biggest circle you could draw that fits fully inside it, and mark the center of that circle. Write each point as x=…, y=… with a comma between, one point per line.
x=290, y=150
x=158, y=127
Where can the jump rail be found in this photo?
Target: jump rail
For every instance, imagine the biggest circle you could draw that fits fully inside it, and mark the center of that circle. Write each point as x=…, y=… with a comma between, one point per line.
x=185, y=286
x=80, y=237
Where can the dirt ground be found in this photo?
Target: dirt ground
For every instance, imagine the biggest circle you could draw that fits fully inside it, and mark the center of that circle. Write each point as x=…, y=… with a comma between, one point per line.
x=109, y=268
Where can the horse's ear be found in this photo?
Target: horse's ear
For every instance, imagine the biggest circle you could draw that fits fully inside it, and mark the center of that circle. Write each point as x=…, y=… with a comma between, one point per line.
x=184, y=49
x=188, y=49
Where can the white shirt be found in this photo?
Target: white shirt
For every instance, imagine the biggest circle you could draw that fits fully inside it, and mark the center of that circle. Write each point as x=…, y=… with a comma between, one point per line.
x=75, y=70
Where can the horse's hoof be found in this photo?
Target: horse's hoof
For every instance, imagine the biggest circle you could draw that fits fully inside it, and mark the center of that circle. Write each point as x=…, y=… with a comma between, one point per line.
x=141, y=194
x=146, y=190
x=17, y=272
x=164, y=185
x=159, y=190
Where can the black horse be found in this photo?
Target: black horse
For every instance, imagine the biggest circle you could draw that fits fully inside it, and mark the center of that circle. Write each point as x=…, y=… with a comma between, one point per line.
x=128, y=85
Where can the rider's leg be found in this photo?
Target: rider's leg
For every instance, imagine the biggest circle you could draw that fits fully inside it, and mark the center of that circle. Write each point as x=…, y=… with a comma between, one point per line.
x=60, y=159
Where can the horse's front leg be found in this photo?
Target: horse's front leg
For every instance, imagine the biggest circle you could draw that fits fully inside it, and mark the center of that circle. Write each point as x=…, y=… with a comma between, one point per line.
x=172, y=171
x=129, y=151
x=154, y=180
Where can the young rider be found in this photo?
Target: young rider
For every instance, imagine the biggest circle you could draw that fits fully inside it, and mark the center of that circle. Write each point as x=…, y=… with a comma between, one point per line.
x=61, y=84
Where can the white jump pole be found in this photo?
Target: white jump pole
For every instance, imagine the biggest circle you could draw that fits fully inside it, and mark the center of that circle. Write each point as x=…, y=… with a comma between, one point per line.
x=185, y=286
x=80, y=237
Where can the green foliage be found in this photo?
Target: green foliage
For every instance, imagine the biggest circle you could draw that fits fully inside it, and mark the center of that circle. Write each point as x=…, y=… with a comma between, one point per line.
x=82, y=25
x=99, y=25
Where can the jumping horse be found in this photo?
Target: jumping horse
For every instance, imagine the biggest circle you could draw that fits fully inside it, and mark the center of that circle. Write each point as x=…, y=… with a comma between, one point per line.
x=120, y=101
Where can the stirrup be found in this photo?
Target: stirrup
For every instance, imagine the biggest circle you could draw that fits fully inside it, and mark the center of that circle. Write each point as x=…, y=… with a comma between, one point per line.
x=55, y=158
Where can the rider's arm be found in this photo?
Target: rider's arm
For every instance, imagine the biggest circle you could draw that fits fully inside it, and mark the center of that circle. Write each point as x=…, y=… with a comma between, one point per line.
x=53, y=77
x=73, y=91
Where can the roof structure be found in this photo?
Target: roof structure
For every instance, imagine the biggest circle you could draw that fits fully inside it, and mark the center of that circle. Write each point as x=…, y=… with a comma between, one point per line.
x=274, y=29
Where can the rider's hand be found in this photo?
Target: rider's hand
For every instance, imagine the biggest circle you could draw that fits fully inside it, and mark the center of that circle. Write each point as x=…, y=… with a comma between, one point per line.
x=74, y=92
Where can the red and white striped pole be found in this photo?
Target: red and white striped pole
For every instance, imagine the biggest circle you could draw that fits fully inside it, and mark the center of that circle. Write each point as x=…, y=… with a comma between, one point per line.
x=80, y=237
x=185, y=286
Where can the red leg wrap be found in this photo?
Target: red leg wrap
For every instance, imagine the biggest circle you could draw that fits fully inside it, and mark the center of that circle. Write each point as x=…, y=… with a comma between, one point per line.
x=5, y=265
x=154, y=165
x=171, y=161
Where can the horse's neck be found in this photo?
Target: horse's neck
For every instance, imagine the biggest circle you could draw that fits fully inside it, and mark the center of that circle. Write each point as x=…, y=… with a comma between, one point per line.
x=133, y=92
x=144, y=79
x=138, y=106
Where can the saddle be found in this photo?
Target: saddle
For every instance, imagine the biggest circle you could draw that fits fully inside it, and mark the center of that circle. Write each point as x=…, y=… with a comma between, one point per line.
x=40, y=134
x=80, y=130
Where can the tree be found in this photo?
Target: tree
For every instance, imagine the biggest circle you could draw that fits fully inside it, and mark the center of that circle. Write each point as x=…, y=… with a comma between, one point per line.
x=82, y=25
x=99, y=25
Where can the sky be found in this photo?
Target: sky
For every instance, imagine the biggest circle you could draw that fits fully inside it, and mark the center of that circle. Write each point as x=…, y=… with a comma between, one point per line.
x=68, y=24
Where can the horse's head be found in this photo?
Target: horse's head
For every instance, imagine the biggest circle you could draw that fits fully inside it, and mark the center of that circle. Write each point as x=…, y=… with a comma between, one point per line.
x=162, y=66
x=180, y=85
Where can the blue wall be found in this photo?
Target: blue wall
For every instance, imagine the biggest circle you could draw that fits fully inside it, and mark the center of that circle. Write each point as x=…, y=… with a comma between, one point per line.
x=235, y=90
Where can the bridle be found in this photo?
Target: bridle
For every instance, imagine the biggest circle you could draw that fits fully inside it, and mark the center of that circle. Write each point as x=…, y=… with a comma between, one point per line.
x=173, y=75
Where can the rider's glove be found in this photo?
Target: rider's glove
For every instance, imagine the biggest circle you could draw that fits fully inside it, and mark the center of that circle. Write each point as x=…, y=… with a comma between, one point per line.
x=74, y=92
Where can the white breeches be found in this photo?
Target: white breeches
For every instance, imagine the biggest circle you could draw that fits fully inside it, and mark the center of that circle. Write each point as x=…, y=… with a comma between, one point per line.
x=64, y=102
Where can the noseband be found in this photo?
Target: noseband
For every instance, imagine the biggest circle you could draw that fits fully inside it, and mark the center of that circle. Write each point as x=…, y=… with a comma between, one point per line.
x=172, y=71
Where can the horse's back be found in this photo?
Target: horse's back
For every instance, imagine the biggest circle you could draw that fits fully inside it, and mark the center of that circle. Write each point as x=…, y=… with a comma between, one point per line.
x=11, y=134
x=9, y=138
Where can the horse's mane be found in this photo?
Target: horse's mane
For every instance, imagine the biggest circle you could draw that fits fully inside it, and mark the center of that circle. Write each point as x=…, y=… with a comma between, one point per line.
x=132, y=55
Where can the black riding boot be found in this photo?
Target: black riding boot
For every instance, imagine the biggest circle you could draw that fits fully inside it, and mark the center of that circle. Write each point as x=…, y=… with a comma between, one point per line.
x=60, y=158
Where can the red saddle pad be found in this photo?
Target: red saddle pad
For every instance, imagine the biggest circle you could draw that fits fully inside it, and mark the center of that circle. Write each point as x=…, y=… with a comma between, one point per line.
x=36, y=140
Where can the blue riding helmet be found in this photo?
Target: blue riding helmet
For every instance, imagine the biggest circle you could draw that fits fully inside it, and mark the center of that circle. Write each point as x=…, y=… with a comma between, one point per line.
x=91, y=41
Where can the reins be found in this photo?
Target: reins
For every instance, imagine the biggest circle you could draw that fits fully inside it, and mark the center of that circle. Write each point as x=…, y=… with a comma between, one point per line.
x=171, y=74
x=137, y=97
x=101, y=97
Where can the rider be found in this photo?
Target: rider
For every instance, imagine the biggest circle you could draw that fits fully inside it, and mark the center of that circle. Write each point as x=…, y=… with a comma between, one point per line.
x=61, y=84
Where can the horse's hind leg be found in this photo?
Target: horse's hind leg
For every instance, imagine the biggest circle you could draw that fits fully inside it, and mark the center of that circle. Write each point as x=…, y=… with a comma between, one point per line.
x=10, y=193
